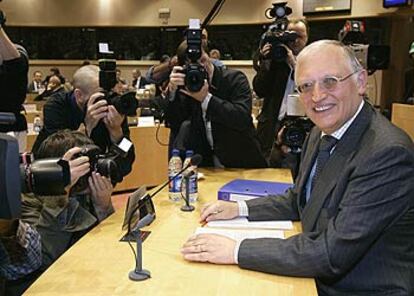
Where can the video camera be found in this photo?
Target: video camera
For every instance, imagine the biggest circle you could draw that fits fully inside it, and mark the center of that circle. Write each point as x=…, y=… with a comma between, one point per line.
x=125, y=104
x=195, y=74
x=43, y=177
x=296, y=125
x=277, y=33
x=371, y=57
x=104, y=164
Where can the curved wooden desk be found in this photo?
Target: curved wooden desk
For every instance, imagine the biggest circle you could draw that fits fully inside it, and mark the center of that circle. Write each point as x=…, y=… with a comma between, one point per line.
x=99, y=264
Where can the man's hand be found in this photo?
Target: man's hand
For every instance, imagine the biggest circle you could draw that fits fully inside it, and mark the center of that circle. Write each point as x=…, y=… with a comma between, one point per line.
x=78, y=166
x=219, y=210
x=265, y=50
x=209, y=248
x=113, y=122
x=176, y=78
x=200, y=95
x=95, y=111
x=101, y=191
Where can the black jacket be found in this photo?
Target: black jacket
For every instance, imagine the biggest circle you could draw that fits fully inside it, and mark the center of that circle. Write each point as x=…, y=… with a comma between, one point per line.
x=61, y=112
x=13, y=84
x=270, y=84
x=229, y=111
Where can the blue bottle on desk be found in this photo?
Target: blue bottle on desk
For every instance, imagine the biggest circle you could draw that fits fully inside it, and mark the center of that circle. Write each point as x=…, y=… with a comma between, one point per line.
x=192, y=172
x=174, y=166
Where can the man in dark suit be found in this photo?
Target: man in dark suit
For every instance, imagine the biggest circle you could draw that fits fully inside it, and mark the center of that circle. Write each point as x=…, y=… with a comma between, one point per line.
x=355, y=196
x=138, y=81
x=215, y=121
x=36, y=85
x=274, y=82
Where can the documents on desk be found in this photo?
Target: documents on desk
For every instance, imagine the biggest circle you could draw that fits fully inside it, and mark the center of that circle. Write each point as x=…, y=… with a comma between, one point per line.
x=238, y=234
x=241, y=228
x=243, y=223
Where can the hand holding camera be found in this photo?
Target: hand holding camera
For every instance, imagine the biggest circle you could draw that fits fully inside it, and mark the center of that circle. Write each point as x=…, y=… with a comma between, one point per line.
x=96, y=109
x=101, y=190
x=79, y=166
x=113, y=122
x=176, y=78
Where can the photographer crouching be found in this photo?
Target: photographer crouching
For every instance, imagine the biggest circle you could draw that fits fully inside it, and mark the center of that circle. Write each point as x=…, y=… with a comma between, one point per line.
x=63, y=219
x=88, y=109
x=275, y=64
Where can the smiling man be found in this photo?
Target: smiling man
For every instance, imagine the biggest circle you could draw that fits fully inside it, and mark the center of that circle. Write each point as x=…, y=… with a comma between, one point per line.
x=353, y=195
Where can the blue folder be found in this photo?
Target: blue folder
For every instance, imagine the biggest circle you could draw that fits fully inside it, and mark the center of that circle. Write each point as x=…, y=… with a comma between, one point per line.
x=239, y=189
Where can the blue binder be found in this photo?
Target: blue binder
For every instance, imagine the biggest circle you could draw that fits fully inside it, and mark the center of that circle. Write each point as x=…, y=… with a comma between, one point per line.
x=239, y=189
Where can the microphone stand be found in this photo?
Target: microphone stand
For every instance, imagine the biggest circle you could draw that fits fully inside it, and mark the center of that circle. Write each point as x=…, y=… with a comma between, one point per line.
x=139, y=274
x=187, y=207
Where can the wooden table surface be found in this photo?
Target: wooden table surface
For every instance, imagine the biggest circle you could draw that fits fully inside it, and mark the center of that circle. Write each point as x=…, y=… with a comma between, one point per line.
x=99, y=264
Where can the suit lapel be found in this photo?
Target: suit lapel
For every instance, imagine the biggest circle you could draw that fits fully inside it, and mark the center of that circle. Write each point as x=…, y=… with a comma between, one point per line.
x=343, y=153
x=307, y=161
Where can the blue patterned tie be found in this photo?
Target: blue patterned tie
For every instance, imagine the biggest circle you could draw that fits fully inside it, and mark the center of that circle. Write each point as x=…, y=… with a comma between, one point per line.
x=325, y=147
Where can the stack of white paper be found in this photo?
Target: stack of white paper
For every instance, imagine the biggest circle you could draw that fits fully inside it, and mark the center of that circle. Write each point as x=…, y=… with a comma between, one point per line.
x=243, y=223
x=241, y=234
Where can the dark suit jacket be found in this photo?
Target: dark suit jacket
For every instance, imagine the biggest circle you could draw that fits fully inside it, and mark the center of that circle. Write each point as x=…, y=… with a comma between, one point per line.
x=31, y=87
x=358, y=226
x=229, y=111
x=270, y=84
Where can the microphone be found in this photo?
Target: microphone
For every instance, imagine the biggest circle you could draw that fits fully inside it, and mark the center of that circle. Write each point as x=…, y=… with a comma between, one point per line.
x=147, y=215
x=146, y=204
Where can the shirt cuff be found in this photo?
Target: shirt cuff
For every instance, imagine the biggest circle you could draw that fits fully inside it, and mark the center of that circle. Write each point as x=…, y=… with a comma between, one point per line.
x=243, y=209
x=236, y=251
x=204, y=104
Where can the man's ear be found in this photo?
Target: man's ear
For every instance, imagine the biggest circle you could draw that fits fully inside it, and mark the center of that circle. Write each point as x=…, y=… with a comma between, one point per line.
x=362, y=80
x=78, y=95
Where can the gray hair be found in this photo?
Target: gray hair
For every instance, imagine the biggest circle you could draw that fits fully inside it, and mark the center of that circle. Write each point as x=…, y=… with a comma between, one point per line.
x=86, y=78
x=347, y=52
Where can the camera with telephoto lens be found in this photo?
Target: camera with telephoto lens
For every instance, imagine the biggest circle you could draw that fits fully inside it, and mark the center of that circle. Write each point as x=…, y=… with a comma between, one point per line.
x=295, y=132
x=42, y=177
x=195, y=74
x=125, y=104
x=277, y=33
x=104, y=164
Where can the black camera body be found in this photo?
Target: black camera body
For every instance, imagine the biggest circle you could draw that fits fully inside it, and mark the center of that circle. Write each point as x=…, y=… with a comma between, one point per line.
x=125, y=104
x=195, y=74
x=295, y=131
x=277, y=33
x=104, y=164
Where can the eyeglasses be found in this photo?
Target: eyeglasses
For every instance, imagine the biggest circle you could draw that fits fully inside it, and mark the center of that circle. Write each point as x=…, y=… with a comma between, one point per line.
x=329, y=83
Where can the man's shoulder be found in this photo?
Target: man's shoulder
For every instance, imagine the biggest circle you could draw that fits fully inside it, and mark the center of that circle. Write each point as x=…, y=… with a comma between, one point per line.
x=59, y=98
x=231, y=74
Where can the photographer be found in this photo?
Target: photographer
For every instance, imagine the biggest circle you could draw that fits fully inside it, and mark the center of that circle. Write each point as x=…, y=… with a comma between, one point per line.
x=274, y=82
x=20, y=251
x=214, y=121
x=14, y=67
x=62, y=220
x=84, y=109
